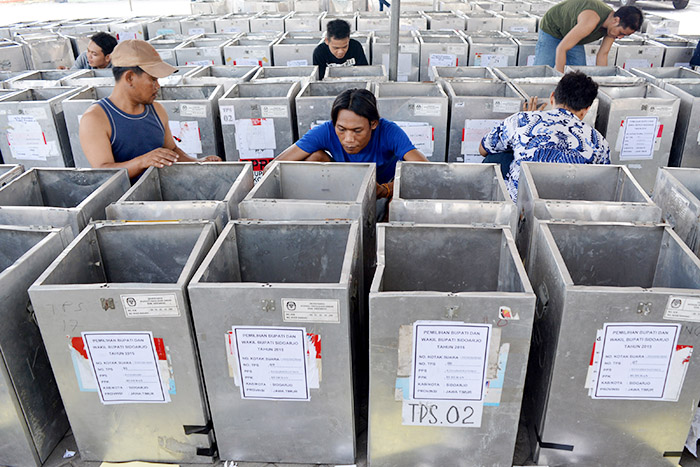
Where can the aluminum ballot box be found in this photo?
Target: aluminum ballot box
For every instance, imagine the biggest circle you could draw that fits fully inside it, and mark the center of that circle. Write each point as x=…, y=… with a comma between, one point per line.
x=677, y=193
x=611, y=377
x=451, y=193
x=449, y=345
x=115, y=318
x=273, y=304
x=190, y=190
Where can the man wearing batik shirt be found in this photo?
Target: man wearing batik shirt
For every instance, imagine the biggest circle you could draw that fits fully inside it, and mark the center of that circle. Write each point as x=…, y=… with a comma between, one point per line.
x=556, y=135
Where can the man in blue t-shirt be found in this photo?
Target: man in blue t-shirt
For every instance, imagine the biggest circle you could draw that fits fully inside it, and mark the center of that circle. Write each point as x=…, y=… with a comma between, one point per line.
x=357, y=134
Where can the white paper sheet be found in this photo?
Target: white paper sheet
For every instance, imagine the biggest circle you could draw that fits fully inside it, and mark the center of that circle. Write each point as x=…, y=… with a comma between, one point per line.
x=635, y=360
x=272, y=362
x=404, y=67
x=186, y=136
x=449, y=361
x=638, y=138
x=125, y=366
x=26, y=139
x=474, y=131
x=255, y=133
x=481, y=59
x=420, y=134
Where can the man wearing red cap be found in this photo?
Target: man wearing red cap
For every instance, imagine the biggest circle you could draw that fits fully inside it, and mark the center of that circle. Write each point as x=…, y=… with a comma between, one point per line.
x=129, y=129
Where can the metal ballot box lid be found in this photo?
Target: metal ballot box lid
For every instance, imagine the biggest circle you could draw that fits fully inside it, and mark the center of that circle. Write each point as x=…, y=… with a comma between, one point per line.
x=677, y=193
x=585, y=192
x=295, y=286
x=424, y=408
x=376, y=73
x=115, y=318
x=188, y=190
x=451, y=193
x=33, y=418
x=614, y=308
x=61, y=197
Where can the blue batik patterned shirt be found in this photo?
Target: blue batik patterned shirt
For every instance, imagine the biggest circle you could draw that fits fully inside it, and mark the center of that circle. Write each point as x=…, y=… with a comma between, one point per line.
x=555, y=135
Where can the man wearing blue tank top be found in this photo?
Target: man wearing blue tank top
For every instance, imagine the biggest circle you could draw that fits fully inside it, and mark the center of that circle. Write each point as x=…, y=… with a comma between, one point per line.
x=129, y=129
x=355, y=133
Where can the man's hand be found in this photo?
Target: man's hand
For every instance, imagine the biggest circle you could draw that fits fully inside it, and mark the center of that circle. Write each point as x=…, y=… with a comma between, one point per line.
x=210, y=159
x=531, y=105
x=159, y=157
x=385, y=190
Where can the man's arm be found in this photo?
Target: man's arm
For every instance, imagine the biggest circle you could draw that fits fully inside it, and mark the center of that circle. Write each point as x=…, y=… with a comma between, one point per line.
x=95, y=133
x=414, y=155
x=601, y=58
x=586, y=22
x=169, y=142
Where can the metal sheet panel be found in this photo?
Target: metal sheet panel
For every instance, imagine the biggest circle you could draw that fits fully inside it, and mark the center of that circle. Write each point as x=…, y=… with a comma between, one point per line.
x=422, y=276
x=677, y=193
x=61, y=197
x=441, y=50
x=186, y=191
x=295, y=52
x=685, y=150
x=261, y=266
x=201, y=52
x=439, y=193
x=409, y=56
x=9, y=172
x=32, y=418
x=492, y=51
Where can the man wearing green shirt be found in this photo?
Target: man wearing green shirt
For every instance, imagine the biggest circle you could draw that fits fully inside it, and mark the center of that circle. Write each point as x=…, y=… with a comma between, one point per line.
x=568, y=25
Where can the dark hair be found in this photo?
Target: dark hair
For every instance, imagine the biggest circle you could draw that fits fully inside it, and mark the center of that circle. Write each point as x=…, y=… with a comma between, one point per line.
x=118, y=71
x=105, y=41
x=630, y=17
x=576, y=90
x=338, y=29
x=360, y=101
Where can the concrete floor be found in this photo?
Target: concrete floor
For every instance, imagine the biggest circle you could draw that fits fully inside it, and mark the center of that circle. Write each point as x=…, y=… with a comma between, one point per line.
x=49, y=10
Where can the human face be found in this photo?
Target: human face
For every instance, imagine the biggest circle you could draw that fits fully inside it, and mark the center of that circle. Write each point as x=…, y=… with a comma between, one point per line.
x=144, y=87
x=338, y=47
x=353, y=131
x=96, y=58
x=618, y=32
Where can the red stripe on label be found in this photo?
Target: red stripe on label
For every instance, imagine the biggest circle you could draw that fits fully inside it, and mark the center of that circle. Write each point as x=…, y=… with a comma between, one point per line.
x=457, y=61
x=661, y=130
x=234, y=62
x=160, y=348
x=44, y=136
x=592, y=354
x=462, y=134
x=433, y=133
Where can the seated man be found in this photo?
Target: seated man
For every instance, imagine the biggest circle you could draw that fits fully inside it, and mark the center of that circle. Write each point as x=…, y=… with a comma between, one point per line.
x=357, y=134
x=338, y=48
x=128, y=129
x=98, y=54
x=556, y=135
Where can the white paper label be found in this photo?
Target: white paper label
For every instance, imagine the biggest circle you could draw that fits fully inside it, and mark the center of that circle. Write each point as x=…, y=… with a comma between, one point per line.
x=420, y=134
x=274, y=111
x=679, y=64
x=162, y=32
x=247, y=62
x=635, y=360
x=455, y=414
x=638, y=137
x=474, y=159
x=449, y=361
x=442, y=60
x=493, y=60
x=231, y=29
x=150, y=306
x=519, y=29
x=297, y=62
x=310, y=311
x=193, y=31
x=683, y=309
x=193, y=110
x=255, y=133
x=530, y=60
x=591, y=60
x=200, y=63
x=125, y=365
x=427, y=110
x=26, y=138
x=474, y=132
x=272, y=362
x=186, y=136
x=457, y=49
x=228, y=115
x=165, y=54
x=661, y=110
x=510, y=106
